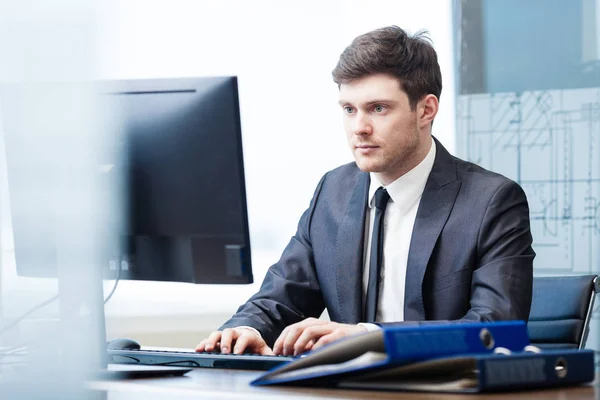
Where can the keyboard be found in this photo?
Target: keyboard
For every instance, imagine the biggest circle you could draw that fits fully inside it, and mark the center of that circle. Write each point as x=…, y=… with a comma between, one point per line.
x=180, y=358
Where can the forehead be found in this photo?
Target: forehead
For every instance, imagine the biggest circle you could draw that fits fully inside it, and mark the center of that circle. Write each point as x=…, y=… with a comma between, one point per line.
x=372, y=88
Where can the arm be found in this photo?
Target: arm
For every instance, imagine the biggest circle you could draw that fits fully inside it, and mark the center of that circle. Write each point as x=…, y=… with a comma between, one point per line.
x=290, y=291
x=501, y=288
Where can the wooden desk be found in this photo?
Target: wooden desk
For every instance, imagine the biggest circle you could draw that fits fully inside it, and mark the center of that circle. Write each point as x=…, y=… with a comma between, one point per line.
x=234, y=384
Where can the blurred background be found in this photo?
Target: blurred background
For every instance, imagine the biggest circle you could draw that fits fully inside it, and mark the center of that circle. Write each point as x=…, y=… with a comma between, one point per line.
x=521, y=96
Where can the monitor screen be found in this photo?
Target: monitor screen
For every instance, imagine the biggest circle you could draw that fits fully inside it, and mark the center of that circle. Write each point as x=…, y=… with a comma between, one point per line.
x=173, y=150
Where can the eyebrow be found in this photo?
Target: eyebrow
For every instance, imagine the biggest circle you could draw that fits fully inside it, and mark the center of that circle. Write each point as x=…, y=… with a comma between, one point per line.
x=369, y=103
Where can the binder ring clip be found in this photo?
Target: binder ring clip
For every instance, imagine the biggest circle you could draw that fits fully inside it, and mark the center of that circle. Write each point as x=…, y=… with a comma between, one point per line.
x=560, y=367
x=502, y=350
x=487, y=338
x=532, y=349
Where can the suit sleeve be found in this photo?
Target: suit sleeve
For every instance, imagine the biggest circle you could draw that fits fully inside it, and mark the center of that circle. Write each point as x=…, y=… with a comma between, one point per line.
x=501, y=286
x=290, y=291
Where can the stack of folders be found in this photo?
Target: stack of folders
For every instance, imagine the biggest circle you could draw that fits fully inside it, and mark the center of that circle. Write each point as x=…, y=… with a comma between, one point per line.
x=465, y=357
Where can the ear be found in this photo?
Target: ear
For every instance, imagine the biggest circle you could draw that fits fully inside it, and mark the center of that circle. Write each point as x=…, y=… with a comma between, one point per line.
x=427, y=110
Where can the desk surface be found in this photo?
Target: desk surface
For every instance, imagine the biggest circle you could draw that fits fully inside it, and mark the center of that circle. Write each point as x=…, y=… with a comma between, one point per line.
x=234, y=384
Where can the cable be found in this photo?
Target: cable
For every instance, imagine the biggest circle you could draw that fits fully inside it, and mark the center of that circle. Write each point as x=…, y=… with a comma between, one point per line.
x=28, y=313
x=14, y=349
x=14, y=352
x=5, y=328
x=116, y=283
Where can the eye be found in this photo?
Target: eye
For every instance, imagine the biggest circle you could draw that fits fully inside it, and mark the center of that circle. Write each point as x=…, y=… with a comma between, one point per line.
x=379, y=108
x=348, y=110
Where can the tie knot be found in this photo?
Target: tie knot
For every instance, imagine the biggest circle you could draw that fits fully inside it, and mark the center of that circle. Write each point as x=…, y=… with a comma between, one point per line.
x=381, y=198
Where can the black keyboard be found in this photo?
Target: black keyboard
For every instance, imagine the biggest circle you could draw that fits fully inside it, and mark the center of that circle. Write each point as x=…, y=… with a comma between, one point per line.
x=196, y=360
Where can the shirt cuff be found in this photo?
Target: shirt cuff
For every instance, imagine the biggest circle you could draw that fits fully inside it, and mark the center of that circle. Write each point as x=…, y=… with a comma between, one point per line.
x=256, y=332
x=370, y=327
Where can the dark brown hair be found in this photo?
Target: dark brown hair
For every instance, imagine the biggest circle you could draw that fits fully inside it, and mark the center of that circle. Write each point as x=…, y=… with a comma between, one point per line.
x=390, y=50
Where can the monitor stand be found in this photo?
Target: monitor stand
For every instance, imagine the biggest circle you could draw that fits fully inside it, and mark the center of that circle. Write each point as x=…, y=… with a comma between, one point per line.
x=82, y=324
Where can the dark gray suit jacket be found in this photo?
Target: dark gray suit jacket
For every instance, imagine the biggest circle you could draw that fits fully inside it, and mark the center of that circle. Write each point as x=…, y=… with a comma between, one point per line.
x=470, y=256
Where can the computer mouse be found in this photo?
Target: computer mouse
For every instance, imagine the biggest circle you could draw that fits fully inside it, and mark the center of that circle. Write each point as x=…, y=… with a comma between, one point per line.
x=123, y=344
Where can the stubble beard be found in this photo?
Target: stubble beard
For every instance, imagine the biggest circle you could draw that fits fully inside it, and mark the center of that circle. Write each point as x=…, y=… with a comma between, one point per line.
x=403, y=160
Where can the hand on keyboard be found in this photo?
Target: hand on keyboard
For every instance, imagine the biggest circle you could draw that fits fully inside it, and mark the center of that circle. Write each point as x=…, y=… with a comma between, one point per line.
x=310, y=334
x=239, y=340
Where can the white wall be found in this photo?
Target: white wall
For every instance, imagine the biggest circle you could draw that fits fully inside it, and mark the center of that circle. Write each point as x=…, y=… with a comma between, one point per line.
x=283, y=53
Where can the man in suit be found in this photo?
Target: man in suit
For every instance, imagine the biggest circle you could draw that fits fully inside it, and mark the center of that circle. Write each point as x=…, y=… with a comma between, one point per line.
x=406, y=234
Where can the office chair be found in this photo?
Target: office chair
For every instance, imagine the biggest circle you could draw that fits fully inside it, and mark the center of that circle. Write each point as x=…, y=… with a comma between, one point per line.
x=561, y=310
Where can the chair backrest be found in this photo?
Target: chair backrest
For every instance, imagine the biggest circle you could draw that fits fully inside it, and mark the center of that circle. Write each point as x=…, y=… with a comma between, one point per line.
x=561, y=309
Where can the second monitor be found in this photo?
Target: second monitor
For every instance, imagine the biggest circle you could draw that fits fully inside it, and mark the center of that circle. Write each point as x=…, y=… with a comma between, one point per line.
x=174, y=147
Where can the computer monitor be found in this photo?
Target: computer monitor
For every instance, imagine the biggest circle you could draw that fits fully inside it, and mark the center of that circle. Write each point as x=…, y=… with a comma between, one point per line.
x=140, y=177
x=173, y=151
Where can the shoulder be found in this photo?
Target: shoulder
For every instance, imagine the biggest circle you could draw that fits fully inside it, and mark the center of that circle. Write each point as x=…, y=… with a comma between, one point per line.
x=474, y=179
x=339, y=184
x=480, y=188
x=482, y=180
x=343, y=177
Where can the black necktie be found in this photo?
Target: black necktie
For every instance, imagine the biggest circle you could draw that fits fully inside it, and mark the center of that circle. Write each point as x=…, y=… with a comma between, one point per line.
x=381, y=199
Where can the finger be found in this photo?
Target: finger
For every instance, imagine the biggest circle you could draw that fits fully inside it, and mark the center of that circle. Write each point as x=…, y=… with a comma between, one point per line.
x=312, y=333
x=243, y=342
x=249, y=342
x=210, y=342
x=289, y=344
x=227, y=340
x=266, y=351
x=201, y=345
x=309, y=345
x=213, y=341
x=328, y=339
x=278, y=347
x=291, y=338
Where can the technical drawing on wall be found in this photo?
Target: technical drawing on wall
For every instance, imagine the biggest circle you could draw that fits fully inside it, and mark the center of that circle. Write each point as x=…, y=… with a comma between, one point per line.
x=549, y=142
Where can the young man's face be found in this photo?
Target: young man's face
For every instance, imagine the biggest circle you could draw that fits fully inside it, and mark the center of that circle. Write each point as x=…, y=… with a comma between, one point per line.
x=384, y=134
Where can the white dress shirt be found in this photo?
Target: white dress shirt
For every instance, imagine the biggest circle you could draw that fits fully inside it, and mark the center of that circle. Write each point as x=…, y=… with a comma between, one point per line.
x=398, y=222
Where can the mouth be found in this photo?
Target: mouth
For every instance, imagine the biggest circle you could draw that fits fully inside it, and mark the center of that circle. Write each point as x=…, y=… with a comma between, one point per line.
x=365, y=148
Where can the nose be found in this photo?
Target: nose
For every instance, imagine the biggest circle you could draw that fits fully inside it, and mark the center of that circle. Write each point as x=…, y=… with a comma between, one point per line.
x=362, y=124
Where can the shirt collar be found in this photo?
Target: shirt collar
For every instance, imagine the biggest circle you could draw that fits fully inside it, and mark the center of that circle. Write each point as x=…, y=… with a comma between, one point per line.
x=405, y=190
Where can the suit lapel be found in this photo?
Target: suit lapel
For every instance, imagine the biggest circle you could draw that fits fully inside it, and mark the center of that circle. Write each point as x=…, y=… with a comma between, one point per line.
x=436, y=204
x=349, y=247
